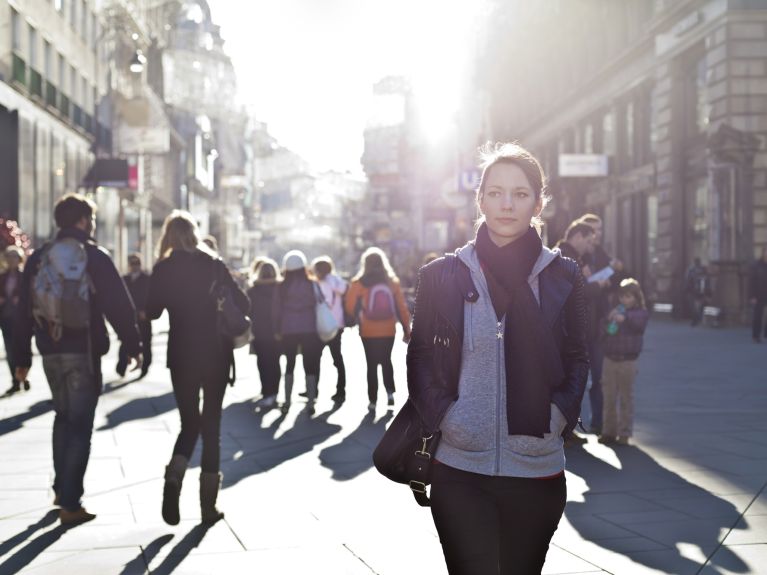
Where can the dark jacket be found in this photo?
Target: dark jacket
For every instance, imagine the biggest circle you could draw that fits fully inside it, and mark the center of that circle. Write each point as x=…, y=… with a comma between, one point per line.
x=434, y=352
x=139, y=289
x=8, y=309
x=181, y=283
x=262, y=298
x=626, y=344
x=109, y=299
x=296, y=303
x=596, y=297
x=758, y=280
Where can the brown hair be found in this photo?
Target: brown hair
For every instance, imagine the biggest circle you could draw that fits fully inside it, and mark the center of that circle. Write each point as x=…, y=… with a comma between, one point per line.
x=578, y=227
x=72, y=208
x=631, y=286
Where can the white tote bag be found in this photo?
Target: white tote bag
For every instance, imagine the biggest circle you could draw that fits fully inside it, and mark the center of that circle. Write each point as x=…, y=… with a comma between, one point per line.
x=327, y=326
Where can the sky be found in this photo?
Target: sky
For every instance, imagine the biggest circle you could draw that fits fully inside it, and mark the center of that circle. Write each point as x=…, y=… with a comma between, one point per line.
x=307, y=67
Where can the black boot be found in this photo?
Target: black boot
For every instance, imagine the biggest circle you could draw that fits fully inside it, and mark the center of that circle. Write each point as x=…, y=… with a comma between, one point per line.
x=209, y=486
x=174, y=477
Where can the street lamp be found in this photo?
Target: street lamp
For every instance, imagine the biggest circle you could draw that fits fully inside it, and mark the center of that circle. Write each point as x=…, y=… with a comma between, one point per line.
x=137, y=62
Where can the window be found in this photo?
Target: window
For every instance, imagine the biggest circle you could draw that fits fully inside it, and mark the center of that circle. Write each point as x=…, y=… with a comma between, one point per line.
x=15, y=31
x=630, y=160
x=94, y=30
x=73, y=13
x=32, y=47
x=62, y=77
x=696, y=98
x=83, y=20
x=48, y=65
x=608, y=133
x=84, y=92
x=73, y=84
x=59, y=5
x=588, y=139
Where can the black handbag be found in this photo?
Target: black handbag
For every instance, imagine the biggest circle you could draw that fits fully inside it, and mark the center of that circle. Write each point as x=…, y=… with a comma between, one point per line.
x=406, y=451
x=231, y=323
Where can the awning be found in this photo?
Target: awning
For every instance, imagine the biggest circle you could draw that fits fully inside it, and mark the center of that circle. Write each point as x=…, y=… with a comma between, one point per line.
x=108, y=172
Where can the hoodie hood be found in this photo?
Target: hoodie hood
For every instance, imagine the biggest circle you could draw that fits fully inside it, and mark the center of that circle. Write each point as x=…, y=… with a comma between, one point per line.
x=468, y=255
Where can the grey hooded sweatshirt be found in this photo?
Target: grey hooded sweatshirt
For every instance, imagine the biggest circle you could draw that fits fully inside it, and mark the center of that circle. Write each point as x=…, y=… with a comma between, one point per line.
x=475, y=433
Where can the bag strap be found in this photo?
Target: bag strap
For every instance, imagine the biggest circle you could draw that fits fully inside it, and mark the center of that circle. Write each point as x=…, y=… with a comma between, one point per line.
x=423, y=460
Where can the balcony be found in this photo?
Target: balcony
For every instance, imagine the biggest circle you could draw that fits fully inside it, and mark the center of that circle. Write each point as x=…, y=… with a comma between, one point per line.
x=19, y=71
x=51, y=95
x=35, y=83
x=64, y=106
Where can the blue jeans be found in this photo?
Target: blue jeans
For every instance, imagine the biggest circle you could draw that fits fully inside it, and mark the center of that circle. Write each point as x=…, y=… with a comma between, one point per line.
x=75, y=384
x=596, y=359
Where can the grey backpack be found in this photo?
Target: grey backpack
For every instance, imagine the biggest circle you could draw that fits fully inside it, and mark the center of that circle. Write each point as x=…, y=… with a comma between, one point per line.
x=61, y=289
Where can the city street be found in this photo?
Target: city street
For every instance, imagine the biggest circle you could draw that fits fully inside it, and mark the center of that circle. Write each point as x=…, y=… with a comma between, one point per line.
x=301, y=496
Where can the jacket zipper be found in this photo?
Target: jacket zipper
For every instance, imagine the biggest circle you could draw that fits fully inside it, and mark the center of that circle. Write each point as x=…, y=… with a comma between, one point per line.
x=499, y=341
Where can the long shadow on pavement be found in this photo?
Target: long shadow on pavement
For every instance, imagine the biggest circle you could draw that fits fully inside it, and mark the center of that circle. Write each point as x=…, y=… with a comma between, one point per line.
x=684, y=514
x=141, y=408
x=262, y=451
x=15, y=422
x=19, y=560
x=180, y=551
x=354, y=455
x=141, y=562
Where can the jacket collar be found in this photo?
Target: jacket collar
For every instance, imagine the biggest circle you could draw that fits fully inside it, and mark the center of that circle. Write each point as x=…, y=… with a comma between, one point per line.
x=75, y=233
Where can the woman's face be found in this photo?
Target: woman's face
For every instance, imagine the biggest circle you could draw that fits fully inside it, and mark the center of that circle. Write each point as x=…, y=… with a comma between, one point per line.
x=508, y=203
x=627, y=299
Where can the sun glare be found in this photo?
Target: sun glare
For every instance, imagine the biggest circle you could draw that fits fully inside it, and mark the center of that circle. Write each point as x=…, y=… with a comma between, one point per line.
x=307, y=68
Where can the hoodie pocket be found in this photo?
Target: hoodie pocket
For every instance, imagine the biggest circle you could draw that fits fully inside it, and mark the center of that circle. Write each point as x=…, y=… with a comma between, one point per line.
x=539, y=446
x=467, y=426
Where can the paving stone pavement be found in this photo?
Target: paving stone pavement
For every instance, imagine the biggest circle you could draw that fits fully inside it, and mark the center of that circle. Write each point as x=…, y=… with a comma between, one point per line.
x=300, y=494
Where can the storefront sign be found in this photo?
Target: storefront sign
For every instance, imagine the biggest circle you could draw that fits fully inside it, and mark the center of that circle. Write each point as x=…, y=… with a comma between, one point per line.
x=582, y=165
x=143, y=140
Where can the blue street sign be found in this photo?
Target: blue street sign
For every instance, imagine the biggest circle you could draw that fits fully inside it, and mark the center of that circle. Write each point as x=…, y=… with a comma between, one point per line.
x=469, y=180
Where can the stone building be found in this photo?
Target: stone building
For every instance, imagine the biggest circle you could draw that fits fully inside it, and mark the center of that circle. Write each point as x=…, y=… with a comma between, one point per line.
x=674, y=94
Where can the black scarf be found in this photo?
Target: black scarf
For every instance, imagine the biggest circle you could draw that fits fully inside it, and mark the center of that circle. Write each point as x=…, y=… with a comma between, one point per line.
x=525, y=337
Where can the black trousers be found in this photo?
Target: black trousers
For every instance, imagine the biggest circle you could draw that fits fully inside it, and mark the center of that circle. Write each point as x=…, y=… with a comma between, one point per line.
x=187, y=384
x=495, y=525
x=334, y=345
x=378, y=352
x=6, y=326
x=145, y=329
x=310, y=345
x=268, y=362
x=756, y=325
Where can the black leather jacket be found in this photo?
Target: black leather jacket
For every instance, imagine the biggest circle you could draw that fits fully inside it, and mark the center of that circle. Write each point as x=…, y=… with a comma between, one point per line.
x=434, y=352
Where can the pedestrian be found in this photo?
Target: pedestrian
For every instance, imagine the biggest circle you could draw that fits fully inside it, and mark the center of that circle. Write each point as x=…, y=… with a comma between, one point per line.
x=69, y=329
x=758, y=295
x=498, y=364
x=579, y=245
x=333, y=290
x=198, y=358
x=10, y=284
x=266, y=348
x=698, y=290
x=137, y=281
x=376, y=297
x=297, y=324
x=623, y=336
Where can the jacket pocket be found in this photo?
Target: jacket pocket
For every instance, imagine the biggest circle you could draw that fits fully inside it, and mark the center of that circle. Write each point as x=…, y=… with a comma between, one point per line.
x=539, y=446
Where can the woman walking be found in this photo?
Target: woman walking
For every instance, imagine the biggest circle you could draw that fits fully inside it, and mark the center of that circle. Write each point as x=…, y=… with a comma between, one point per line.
x=498, y=364
x=297, y=324
x=265, y=345
x=10, y=284
x=333, y=290
x=376, y=297
x=198, y=358
x=624, y=335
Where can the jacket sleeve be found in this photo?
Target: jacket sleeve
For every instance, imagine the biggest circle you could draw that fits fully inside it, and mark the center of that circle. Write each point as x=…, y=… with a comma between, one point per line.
x=239, y=297
x=155, y=299
x=352, y=295
x=115, y=302
x=636, y=320
x=402, y=312
x=24, y=325
x=568, y=396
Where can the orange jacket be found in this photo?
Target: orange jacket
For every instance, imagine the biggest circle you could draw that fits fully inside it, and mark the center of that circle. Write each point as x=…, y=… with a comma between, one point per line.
x=380, y=328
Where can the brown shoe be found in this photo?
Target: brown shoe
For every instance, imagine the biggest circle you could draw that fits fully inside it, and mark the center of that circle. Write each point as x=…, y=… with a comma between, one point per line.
x=75, y=517
x=623, y=440
x=606, y=439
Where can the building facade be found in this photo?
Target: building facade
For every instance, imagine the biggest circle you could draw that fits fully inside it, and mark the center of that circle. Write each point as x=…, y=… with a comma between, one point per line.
x=674, y=94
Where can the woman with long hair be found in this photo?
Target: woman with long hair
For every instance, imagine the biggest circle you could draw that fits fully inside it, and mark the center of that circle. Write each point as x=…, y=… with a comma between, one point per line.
x=266, y=348
x=10, y=285
x=376, y=298
x=497, y=364
x=198, y=358
x=333, y=289
x=296, y=323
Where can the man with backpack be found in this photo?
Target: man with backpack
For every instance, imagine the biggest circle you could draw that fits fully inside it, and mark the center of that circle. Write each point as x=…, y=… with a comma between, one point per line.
x=68, y=287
